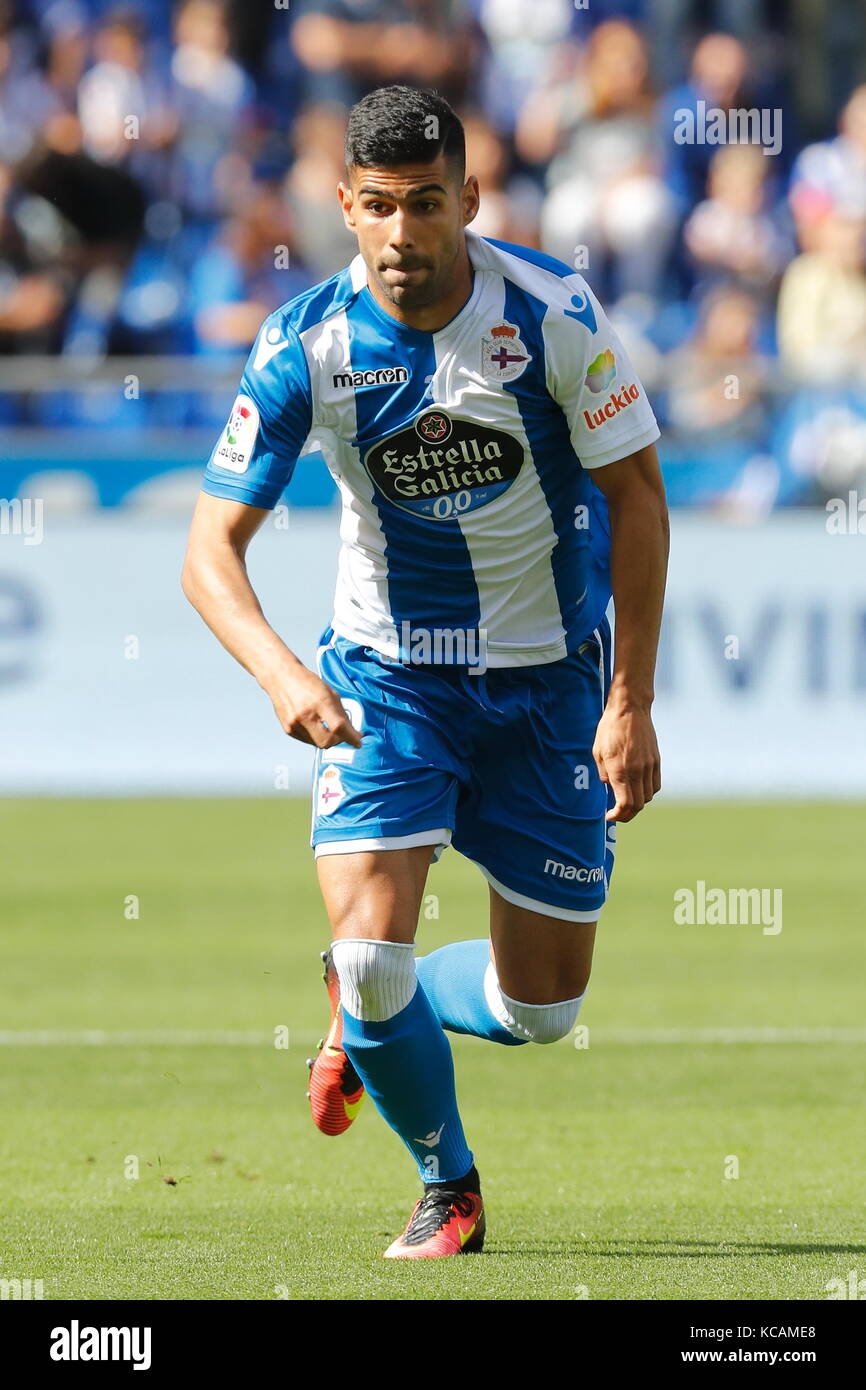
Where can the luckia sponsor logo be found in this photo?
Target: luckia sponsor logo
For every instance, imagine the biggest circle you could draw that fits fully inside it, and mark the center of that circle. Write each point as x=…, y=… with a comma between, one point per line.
x=600, y=376
x=617, y=401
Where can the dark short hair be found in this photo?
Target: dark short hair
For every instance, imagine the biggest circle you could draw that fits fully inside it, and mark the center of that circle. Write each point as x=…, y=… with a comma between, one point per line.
x=393, y=125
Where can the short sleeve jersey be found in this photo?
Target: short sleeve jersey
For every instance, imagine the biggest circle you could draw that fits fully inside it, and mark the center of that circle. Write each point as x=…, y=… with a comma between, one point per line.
x=463, y=457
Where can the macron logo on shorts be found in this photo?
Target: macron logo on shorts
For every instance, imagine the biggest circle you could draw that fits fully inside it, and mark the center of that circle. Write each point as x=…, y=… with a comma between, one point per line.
x=574, y=871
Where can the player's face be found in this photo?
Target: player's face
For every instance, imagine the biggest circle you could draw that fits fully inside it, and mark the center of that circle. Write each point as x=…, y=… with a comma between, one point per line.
x=409, y=223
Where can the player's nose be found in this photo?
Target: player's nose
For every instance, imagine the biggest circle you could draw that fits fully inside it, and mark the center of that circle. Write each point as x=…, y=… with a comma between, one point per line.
x=401, y=236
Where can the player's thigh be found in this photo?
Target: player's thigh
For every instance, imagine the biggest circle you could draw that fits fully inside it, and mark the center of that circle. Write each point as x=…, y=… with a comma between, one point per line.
x=539, y=959
x=376, y=894
x=382, y=810
x=533, y=817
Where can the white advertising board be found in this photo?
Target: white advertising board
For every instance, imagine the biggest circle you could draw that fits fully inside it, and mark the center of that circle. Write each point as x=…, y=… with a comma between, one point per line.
x=111, y=684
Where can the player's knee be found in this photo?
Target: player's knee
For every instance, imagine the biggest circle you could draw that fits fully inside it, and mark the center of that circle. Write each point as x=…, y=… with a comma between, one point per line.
x=547, y=1023
x=377, y=978
x=538, y=1023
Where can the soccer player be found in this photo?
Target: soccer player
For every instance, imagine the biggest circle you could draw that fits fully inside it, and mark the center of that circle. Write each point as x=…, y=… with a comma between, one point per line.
x=494, y=453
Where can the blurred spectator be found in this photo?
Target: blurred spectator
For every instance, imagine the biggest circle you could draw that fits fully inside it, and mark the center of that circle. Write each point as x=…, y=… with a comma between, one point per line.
x=351, y=46
x=67, y=38
x=822, y=441
x=324, y=242
x=606, y=206
x=251, y=269
x=509, y=204
x=213, y=98
x=33, y=296
x=26, y=102
x=123, y=105
x=732, y=234
x=822, y=303
x=717, y=381
x=95, y=214
x=717, y=416
x=672, y=26
x=717, y=77
x=526, y=47
x=831, y=174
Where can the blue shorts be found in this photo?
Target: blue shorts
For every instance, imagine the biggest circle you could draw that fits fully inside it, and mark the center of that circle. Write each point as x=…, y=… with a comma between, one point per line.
x=499, y=765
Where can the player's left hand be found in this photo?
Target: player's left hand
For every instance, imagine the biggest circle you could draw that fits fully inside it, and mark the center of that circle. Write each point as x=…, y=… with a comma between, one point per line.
x=626, y=754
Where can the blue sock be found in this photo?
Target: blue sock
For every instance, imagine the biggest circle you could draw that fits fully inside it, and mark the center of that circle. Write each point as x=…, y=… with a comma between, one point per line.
x=405, y=1063
x=453, y=980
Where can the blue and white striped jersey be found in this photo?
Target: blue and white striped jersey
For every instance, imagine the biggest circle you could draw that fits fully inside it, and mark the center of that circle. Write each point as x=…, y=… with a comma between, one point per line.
x=461, y=456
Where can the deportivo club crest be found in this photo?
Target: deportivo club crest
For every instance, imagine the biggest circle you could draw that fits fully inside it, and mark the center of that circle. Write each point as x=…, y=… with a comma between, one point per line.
x=503, y=356
x=331, y=790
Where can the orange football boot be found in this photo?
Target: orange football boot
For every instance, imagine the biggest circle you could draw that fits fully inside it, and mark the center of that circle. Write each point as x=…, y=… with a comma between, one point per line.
x=336, y=1090
x=443, y=1222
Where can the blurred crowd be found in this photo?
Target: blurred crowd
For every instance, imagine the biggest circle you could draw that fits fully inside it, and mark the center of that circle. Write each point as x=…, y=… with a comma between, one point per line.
x=168, y=172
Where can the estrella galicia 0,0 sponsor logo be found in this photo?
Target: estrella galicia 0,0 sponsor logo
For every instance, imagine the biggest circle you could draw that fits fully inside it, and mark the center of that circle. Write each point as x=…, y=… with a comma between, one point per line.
x=441, y=466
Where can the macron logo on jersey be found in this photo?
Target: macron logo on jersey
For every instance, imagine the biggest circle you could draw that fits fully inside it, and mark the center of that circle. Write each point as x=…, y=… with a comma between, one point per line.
x=381, y=376
x=270, y=343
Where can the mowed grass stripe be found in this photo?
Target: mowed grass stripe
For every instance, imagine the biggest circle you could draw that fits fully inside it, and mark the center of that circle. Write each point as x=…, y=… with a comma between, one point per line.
x=605, y=1037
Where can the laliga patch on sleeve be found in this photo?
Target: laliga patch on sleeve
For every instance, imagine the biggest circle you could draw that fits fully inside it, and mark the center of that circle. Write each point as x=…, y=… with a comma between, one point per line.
x=238, y=439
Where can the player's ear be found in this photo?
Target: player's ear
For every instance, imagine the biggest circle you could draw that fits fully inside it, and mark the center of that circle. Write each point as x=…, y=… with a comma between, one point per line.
x=344, y=193
x=471, y=197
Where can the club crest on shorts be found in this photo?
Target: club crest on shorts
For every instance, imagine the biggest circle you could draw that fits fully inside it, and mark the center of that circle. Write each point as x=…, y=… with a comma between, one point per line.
x=331, y=790
x=503, y=355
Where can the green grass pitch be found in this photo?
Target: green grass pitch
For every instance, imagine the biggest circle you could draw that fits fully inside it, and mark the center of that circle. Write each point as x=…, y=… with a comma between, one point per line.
x=604, y=1166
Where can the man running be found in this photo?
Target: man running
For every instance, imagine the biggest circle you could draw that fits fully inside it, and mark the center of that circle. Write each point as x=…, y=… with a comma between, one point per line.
x=495, y=457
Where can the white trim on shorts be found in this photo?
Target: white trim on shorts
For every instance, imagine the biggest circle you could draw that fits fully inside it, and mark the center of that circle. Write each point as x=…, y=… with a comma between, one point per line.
x=440, y=838
x=544, y=909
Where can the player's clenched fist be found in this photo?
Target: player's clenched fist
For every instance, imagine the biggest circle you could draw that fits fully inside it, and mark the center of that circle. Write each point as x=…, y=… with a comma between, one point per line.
x=309, y=710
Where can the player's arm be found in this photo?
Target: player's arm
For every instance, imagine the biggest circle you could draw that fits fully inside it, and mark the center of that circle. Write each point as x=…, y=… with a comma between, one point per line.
x=613, y=431
x=216, y=582
x=625, y=749
x=250, y=466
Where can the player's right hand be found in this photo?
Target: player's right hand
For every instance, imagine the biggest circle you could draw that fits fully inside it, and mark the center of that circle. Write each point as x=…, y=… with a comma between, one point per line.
x=310, y=711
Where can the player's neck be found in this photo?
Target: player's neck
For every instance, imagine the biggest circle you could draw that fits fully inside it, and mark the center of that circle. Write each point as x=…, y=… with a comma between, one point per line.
x=433, y=316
